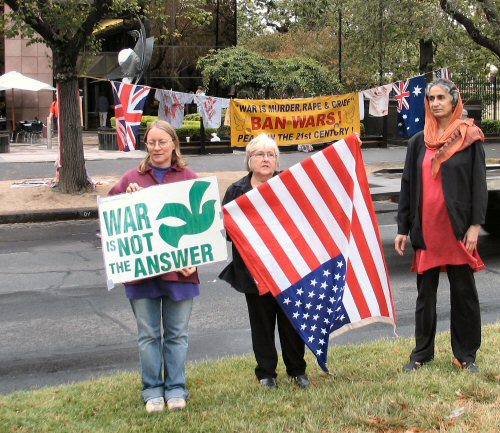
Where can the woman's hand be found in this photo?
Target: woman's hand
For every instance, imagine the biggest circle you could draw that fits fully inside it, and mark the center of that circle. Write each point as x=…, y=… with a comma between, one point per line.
x=133, y=187
x=400, y=244
x=470, y=238
x=190, y=270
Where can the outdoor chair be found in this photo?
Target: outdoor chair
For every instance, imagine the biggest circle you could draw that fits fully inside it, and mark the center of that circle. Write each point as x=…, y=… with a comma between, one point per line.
x=35, y=131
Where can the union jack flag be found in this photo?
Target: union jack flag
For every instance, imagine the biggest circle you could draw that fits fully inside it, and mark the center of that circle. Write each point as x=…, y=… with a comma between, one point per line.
x=310, y=237
x=401, y=91
x=129, y=103
x=411, y=109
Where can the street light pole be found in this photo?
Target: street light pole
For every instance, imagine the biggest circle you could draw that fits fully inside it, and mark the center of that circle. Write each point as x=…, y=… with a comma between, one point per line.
x=493, y=78
x=340, y=42
x=235, y=22
x=380, y=42
x=495, y=97
x=217, y=26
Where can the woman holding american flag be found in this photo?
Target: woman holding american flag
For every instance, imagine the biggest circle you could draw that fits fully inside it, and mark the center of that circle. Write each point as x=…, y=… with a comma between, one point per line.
x=262, y=163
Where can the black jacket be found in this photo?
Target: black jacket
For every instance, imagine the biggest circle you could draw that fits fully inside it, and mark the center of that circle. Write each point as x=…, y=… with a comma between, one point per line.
x=237, y=273
x=464, y=188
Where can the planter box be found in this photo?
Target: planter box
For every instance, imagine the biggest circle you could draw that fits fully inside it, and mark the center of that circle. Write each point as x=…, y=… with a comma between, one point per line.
x=197, y=147
x=4, y=142
x=108, y=140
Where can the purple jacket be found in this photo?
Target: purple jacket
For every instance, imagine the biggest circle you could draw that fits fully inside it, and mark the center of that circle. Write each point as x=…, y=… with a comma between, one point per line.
x=175, y=174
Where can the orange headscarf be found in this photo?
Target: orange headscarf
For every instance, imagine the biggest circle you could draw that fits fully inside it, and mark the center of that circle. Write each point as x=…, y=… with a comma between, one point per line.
x=458, y=135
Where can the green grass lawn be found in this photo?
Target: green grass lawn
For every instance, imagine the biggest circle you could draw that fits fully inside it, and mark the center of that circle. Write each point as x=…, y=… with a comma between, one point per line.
x=368, y=394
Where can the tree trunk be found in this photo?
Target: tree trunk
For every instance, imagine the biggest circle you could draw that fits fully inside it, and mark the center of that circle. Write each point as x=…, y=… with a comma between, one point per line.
x=73, y=175
x=426, y=56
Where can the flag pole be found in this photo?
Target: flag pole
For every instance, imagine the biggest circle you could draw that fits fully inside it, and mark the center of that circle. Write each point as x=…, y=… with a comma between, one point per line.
x=13, y=112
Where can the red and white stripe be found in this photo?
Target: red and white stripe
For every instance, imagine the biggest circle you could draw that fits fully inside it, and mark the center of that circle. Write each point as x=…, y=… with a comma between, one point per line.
x=308, y=214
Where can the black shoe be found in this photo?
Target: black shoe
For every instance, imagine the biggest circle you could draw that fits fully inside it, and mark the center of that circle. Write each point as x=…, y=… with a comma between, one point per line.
x=302, y=380
x=269, y=382
x=413, y=365
x=469, y=366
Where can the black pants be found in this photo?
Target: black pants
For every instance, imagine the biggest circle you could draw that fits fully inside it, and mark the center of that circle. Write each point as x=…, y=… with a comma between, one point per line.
x=264, y=311
x=465, y=314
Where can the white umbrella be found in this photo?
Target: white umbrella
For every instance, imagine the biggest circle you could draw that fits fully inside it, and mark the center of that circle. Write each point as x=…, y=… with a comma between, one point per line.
x=15, y=80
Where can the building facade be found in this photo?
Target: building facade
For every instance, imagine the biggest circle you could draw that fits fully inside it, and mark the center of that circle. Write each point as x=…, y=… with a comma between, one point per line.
x=33, y=61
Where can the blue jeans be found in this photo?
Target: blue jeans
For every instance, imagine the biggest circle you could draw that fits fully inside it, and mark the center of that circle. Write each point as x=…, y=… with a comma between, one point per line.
x=172, y=354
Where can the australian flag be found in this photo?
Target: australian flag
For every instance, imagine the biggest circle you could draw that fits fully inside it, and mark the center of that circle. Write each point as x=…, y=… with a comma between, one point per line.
x=129, y=103
x=315, y=303
x=411, y=110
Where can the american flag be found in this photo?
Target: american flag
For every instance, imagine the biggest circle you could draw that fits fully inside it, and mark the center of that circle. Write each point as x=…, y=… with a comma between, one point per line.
x=310, y=237
x=129, y=102
x=411, y=109
x=443, y=73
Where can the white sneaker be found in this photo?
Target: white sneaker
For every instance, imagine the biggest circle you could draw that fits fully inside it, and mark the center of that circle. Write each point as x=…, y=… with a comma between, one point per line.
x=176, y=403
x=155, y=405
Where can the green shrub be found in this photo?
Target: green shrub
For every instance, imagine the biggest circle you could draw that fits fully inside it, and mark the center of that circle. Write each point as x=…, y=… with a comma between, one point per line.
x=191, y=123
x=191, y=117
x=193, y=132
x=490, y=126
x=145, y=121
x=224, y=132
x=190, y=128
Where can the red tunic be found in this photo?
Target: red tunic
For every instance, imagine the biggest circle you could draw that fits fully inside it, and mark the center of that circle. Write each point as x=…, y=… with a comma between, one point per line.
x=443, y=248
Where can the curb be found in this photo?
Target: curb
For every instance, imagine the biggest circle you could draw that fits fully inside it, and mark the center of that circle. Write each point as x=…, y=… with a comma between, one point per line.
x=93, y=213
x=53, y=215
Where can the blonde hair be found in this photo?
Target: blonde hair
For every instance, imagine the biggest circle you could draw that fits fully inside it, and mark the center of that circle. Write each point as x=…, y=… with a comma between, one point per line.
x=177, y=158
x=258, y=142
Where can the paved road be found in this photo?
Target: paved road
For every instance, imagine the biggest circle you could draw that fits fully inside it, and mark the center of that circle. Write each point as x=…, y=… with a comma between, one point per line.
x=205, y=163
x=202, y=163
x=60, y=324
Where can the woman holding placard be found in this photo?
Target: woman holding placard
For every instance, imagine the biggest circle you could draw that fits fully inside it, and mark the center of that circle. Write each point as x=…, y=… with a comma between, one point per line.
x=164, y=301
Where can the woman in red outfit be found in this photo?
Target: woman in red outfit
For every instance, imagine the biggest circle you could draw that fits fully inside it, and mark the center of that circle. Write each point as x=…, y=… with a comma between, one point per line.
x=442, y=205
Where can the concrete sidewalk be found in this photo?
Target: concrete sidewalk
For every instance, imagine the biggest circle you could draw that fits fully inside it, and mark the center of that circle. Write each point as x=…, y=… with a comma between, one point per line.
x=23, y=202
x=41, y=152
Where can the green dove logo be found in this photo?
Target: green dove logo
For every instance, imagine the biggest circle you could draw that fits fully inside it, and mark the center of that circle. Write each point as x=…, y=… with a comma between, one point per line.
x=195, y=220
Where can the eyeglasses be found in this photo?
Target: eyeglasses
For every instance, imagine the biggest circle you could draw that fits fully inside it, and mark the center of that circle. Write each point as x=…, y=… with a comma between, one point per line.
x=161, y=143
x=262, y=155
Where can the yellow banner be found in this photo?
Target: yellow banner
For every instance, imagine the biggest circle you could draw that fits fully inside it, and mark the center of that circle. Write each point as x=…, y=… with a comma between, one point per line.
x=295, y=121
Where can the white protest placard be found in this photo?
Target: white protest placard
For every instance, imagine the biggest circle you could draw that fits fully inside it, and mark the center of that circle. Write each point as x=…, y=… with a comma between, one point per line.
x=161, y=229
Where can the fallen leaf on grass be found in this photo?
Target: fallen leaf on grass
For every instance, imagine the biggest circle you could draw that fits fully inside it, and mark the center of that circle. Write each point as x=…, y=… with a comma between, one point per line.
x=397, y=403
x=376, y=420
x=456, y=413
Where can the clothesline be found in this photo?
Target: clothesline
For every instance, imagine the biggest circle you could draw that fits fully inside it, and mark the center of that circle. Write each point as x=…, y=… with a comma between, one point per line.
x=111, y=81
x=434, y=71
x=130, y=100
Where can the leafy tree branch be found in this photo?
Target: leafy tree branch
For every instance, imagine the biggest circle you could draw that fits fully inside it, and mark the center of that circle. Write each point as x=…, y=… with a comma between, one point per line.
x=476, y=34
